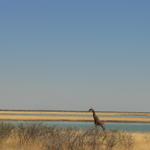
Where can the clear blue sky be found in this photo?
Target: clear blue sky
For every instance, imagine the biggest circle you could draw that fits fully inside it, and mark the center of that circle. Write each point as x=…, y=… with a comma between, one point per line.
x=72, y=55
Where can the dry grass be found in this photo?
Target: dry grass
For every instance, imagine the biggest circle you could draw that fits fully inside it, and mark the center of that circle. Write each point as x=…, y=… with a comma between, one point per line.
x=141, y=141
x=39, y=137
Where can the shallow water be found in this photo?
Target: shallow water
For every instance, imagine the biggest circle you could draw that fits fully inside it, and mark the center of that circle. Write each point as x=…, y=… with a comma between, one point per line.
x=130, y=127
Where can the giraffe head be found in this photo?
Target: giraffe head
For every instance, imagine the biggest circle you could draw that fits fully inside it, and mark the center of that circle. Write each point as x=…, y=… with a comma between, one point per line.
x=91, y=110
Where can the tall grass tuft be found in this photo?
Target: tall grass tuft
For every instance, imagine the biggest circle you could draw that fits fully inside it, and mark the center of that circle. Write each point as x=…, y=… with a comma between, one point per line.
x=42, y=137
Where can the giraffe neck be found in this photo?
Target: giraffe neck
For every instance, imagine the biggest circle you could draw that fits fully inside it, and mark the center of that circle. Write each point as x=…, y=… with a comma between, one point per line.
x=93, y=113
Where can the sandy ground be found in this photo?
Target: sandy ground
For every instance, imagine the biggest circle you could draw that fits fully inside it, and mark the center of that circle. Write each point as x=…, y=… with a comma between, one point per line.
x=77, y=113
x=72, y=116
x=141, y=141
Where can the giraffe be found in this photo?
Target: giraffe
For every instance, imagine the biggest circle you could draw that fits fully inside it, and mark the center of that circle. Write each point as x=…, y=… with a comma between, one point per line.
x=96, y=119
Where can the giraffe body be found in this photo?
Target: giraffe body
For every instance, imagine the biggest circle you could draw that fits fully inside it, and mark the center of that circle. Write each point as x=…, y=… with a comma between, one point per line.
x=97, y=122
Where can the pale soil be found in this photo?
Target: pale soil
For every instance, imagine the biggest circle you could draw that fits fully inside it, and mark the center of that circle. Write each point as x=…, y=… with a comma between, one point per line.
x=77, y=113
x=71, y=116
x=142, y=141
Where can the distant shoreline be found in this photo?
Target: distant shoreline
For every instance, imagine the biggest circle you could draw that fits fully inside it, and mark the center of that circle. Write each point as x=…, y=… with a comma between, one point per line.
x=47, y=110
x=74, y=116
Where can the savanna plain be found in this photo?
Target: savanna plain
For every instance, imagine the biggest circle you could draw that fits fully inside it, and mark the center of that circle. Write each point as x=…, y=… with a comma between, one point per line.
x=38, y=136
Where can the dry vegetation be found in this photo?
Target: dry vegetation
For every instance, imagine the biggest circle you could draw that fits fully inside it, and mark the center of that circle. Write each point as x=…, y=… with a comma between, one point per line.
x=41, y=137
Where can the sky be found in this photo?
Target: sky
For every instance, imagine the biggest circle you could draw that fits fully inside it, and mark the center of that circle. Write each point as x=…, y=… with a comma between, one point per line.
x=73, y=55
